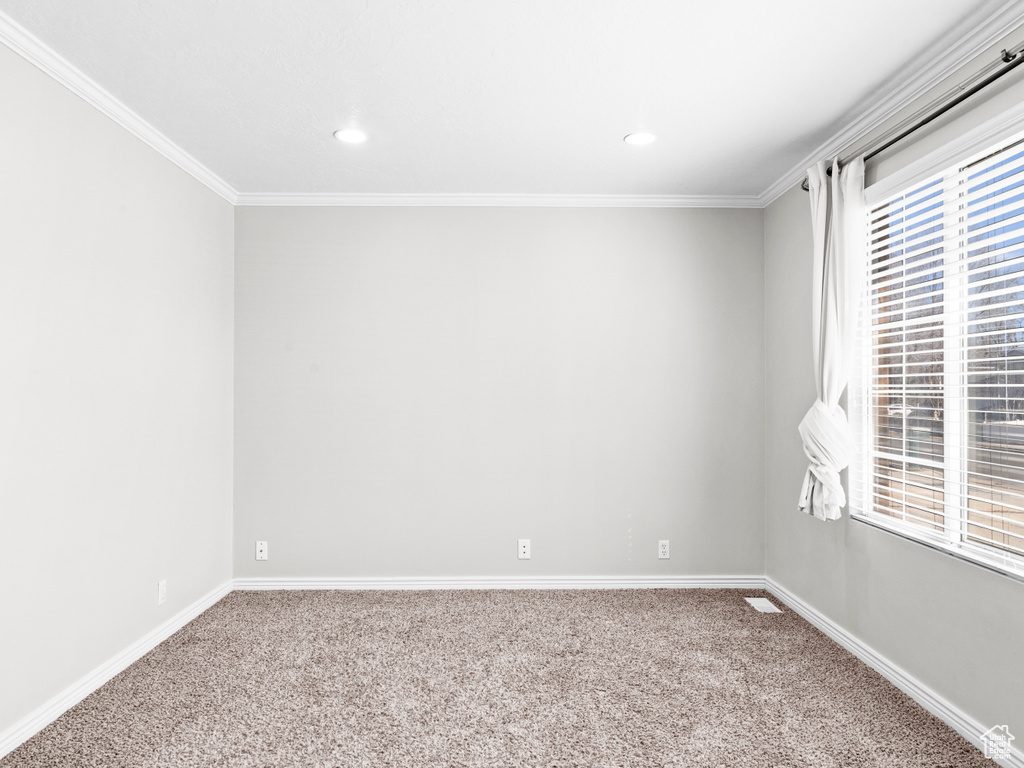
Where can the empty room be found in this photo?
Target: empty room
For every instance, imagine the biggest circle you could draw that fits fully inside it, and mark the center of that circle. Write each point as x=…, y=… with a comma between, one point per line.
x=512, y=383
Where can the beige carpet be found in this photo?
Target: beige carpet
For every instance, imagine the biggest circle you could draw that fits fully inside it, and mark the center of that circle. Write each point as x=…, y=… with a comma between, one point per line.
x=497, y=678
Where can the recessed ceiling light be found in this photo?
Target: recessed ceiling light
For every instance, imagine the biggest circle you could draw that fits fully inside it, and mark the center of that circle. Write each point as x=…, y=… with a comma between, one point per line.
x=639, y=139
x=350, y=135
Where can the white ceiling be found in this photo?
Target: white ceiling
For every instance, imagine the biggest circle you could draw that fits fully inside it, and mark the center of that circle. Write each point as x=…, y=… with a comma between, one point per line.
x=498, y=96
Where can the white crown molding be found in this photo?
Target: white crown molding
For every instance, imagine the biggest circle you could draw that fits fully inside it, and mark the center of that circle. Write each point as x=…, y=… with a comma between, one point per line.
x=959, y=721
x=36, y=52
x=504, y=582
x=502, y=200
x=995, y=20
x=35, y=721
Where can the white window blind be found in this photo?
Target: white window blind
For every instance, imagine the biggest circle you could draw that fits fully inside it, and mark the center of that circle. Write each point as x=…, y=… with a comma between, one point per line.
x=937, y=392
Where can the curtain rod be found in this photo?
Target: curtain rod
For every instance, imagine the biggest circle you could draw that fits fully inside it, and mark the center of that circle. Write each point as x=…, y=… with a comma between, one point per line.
x=1011, y=60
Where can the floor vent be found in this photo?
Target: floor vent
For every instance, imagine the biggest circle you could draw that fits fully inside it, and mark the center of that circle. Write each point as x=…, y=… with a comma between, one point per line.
x=763, y=604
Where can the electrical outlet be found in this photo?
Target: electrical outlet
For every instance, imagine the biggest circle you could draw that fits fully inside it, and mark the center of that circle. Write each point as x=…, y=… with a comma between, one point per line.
x=663, y=549
x=261, y=550
x=161, y=592
x=524, y=549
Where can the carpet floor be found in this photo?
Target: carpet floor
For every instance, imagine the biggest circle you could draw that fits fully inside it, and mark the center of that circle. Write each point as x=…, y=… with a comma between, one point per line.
x=610, y=678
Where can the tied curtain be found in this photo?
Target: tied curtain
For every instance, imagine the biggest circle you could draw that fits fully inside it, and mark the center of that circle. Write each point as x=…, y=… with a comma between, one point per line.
x=837, y=225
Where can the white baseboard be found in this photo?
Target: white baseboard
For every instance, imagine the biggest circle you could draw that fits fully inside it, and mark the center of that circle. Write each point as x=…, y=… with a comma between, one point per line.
x=508, y=582
x=35, y=721
x=966, y=726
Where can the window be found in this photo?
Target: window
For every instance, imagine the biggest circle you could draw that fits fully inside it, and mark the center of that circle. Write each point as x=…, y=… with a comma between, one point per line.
x=937, y=399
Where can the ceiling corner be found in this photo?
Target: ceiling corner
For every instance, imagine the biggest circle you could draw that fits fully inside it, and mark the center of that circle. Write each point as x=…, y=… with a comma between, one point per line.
x=37, y=53
x=994, y=20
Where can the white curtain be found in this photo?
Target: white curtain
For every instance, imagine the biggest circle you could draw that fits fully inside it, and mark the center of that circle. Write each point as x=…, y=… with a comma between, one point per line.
x=837, y=225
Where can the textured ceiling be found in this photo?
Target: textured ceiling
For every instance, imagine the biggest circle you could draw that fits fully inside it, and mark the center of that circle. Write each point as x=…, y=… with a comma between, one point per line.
x=494, y=96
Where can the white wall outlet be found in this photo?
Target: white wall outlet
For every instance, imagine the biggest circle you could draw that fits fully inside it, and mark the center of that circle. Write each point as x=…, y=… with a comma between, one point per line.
x=524, y=549
x=261, y=550
x=663, y=549
x=161, y=592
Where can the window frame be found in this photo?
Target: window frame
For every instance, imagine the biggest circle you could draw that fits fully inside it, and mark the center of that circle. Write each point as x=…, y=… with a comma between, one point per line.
x=953, y=539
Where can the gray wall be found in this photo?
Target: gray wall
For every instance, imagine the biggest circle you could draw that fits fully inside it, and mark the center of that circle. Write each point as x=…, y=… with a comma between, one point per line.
x=954, y=626
x=115, y=388
x=418, y=388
